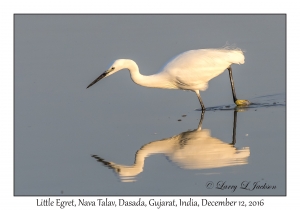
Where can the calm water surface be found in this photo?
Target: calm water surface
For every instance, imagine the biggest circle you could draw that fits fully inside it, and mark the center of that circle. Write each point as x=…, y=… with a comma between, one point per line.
x=118, y=138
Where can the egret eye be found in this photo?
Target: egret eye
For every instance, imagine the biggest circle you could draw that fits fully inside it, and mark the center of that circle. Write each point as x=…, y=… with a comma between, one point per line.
x=112, y=68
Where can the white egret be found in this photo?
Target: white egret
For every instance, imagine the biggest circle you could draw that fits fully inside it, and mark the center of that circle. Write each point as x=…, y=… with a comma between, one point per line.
x=190, y=70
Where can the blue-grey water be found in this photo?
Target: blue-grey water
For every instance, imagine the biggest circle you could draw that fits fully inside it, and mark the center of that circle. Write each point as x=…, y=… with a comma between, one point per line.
x=118, y=138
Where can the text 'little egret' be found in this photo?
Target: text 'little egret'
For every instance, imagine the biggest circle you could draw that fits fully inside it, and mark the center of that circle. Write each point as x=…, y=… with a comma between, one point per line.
x=190, y=70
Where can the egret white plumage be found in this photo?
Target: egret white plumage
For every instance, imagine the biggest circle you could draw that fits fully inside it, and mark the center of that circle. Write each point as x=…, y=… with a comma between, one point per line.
x=191, y=70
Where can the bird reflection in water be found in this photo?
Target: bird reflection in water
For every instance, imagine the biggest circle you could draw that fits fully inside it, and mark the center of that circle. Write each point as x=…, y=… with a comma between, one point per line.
x=195, y=149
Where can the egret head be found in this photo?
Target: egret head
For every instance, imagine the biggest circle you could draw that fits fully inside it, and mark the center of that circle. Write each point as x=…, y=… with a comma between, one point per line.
x=115, y=67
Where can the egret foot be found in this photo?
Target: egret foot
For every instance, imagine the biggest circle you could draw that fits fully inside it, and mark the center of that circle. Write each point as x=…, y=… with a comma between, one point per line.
x=242, y=102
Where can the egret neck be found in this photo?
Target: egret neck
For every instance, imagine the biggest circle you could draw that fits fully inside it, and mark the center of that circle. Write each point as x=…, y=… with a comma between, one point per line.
x=153, y=81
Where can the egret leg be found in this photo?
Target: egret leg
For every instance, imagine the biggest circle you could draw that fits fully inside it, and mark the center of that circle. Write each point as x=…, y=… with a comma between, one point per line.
x=200, y=100
x=239, y=102
x=232, y=84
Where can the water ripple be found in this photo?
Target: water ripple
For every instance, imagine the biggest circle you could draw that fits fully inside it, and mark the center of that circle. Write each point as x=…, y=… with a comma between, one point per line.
x=273, y=100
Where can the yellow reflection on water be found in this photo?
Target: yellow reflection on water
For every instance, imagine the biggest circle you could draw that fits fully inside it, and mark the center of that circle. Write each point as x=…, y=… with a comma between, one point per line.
x=195, y=149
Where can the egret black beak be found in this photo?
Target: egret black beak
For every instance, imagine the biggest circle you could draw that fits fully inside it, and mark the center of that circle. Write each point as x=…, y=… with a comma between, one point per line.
x=98, y=79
